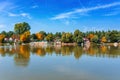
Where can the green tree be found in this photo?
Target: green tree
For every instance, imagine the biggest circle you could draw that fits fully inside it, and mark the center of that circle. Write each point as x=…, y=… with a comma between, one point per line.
x=49, y=37
x=20, y=28
x=43, y=33
x=4, y=33
x=10, y=33
x=67, y=37
x=95, y=39
x=78, y=36
x=58, y=35
x=114, y=36
x=33, y=37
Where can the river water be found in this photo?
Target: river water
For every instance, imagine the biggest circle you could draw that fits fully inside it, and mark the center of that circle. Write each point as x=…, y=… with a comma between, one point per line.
x=59, y=63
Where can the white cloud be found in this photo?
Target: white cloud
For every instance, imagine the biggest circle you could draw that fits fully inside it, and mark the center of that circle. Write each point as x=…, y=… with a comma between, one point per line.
x=112, y=14
x=67, y=22
x=12, y=14
x=83, y=10
x=6, y=8
x=35, y=6
x=2, y=26
x=116, y=11
x=4, y=5
x=26, y=15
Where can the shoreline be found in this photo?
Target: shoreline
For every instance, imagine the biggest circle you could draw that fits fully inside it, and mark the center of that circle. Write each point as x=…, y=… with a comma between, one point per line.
x=61, y=44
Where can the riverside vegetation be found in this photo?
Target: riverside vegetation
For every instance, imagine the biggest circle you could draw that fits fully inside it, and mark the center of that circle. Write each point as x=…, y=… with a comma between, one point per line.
x=22, y=34
x=56, y=62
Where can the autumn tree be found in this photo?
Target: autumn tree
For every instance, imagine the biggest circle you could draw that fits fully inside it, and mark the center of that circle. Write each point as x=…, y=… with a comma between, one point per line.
x=43, y=33
x=21, y=28
x=2, y=36
x=23, y=31
x=103, y=39
x=91, y=36
x=39, y=36
x=25, y=37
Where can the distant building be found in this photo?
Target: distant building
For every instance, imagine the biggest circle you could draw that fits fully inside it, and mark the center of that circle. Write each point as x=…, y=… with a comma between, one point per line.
x=86, y=43
x=57, y=41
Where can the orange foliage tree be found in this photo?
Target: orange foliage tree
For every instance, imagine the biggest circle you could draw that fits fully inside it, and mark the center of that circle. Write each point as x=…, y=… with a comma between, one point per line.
x=25, y=36
x=103, y=39
x=2, y=36
x=91, y=36
x=39, y=36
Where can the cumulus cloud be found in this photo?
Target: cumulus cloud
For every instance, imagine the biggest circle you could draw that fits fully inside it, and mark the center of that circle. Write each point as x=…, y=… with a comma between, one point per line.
x=83, y=10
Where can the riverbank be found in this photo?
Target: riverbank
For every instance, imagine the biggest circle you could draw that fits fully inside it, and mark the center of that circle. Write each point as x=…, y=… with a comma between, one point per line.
x=37, y=44
x=111, y=44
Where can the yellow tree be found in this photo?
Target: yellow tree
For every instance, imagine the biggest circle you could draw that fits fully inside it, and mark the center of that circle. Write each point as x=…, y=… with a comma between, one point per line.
x=91, y=36
x=39, y=36
x=2, y=36
x=103, y=39
x=25, y=36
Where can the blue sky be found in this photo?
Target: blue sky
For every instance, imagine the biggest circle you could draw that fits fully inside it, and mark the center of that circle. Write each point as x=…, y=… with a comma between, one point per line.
x=61, y=15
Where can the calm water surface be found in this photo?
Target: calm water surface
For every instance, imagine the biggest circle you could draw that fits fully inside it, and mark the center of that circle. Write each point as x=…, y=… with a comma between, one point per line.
x=59, y=63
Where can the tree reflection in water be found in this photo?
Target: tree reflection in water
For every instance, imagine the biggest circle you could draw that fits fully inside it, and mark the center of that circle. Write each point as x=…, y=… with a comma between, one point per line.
x=22, y=57
x=22, y=53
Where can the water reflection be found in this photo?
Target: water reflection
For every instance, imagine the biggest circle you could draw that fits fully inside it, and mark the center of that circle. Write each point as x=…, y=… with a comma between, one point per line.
x=22, y=53
x=22, y=56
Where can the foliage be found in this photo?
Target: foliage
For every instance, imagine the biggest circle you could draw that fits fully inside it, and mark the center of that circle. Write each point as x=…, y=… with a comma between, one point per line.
x=58, y=35
x=95, y=39
x=33, y=37
x=9, y=34
x=2, y=36
x=91, y=36
x=39, y=36
x=21, y=28
x=103, y=39
x=22, y=33
x=49, y=37
x=67, y=37
x=25, y=37
x=114, y=36
x=78, y=36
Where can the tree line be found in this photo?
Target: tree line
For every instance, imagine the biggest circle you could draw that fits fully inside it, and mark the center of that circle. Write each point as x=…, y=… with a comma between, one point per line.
x=22, y=34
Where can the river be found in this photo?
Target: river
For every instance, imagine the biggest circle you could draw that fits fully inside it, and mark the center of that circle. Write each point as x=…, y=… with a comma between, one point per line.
x=59, y=63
